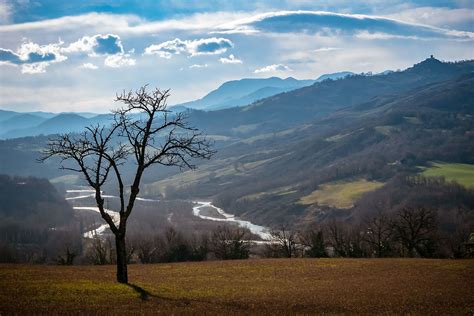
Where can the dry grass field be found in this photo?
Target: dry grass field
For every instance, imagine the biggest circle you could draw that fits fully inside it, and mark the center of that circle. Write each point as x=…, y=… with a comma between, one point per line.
x=318, y=286
x=340, y=194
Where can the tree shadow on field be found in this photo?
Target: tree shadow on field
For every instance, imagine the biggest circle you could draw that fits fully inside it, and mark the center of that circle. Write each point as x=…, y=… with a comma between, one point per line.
x=144, y=294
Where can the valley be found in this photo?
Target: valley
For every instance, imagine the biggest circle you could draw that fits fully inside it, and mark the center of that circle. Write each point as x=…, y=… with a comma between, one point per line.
x=310, y=156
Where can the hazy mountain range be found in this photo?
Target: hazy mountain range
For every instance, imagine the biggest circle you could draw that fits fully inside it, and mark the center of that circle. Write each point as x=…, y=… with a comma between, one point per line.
x=246, y=91
x=229, y=94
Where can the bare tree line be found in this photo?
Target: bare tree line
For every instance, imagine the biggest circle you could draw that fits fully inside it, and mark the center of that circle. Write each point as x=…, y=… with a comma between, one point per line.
x=410, y=232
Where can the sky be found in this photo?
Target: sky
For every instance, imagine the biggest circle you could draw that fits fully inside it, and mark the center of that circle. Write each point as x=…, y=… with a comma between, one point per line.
x=62, y=56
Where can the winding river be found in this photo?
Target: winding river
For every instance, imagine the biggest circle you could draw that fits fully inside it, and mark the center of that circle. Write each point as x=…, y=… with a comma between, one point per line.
x=79, y=194
x=229, y=218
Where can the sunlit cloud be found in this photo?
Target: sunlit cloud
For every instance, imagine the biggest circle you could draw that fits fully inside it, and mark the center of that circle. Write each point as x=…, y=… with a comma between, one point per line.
x=33, y=58
x=96, y=45
x=230, y=60
x=272, y=68
x=193, y=66
x=89, y=66
x=119, y=60
x=203, y=46
x=330, y=23
x=325, y=49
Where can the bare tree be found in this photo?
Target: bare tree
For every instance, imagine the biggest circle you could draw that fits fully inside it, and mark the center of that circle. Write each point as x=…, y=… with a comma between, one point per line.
x=284, y=242
x=313, y=240
x=338, y=239
x=144, y=131
x=146, y=248
x=229, y=243
x=414, y=228
x=378, y=234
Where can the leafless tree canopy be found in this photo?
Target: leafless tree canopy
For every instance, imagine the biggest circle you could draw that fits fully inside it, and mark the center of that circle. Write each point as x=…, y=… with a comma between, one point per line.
x=144, y=131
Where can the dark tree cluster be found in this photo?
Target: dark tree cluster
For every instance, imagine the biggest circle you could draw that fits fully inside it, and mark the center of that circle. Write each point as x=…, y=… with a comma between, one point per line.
x=408, y=232
x=36, y=224
x=171, y=245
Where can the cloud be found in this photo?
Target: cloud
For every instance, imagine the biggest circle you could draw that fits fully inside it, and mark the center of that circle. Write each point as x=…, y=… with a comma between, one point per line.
x=125, y=23
x=209, y=46
x=108, y=44
x=460, y=19
x=119, y=60
x=167, y=49
x=230, y=60
x=204, y=46
x=34, y=68
x=198, y=66
x=33, y=58
x=89, y=66
x=326, y=49
x=272, y=68
x=329, y=23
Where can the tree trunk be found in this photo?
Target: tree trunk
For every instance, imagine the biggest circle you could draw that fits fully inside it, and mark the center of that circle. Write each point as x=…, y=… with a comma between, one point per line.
x=122, y=273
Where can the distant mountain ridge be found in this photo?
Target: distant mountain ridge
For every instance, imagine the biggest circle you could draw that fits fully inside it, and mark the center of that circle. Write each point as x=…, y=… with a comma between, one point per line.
x=229, y=94
x=33, y=124
x=248, y=90
x=308, y=103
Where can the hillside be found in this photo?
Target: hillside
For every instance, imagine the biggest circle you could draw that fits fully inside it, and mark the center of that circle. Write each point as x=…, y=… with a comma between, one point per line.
x=35, y=221
x=274, y=286
x=20, y=121
x=277, y=156
x=262, y=175
x=304, y=105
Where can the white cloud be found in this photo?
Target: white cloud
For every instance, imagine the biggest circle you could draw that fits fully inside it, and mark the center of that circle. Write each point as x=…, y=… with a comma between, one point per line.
x=89, y=66
x=383, y=36
x=209, y=46
x=326, y=49
x=34, y=68
x=230, y=60
x=203, y=46
x=119, y=60
x=167, y=49
x=272, y=68
x=32, y=57
x=126, y=24
x=330, y=23
x=441, y=17
x=108, y=44
x=198, y=66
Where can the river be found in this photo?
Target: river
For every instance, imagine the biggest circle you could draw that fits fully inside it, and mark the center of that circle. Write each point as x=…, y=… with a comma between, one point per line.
x=78, y=194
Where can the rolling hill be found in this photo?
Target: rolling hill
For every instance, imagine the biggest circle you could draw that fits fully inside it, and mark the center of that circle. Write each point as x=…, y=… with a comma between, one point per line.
x=20, y=121
x=28, y=124
x=362, y=128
